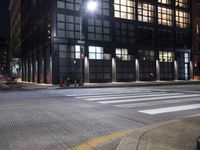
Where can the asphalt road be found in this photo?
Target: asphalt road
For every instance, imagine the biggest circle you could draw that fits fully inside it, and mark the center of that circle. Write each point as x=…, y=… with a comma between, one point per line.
x=86, y=119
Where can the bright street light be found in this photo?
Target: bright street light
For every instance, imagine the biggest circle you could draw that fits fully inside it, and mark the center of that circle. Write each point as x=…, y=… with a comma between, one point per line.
x=91, y=6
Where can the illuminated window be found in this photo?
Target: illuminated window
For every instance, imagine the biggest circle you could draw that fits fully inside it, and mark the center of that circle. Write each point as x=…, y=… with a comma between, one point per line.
x=182, y=3
x=182, y=19
x=124, y=9
x=95, y=52
x=145, y=12
x=165, y=56
x=77, y=52
x=122, y=54
x=164, y=16
x=165, y=1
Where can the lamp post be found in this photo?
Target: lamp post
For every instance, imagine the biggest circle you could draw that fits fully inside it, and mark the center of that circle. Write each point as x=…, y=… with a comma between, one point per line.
x=90, y=7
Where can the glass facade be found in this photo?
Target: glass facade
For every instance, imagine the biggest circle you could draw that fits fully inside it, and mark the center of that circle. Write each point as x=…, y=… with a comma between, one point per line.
x=124, y=9
x=165, y=16
x=165, y=1
x=95, y=52
x=182, y=19
x=145, y=12
x=118, y=34
x=182, y=3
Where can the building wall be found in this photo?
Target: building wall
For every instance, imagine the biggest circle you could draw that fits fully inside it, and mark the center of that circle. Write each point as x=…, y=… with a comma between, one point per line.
x=15, y=36
x=4, y=57
x=142, y=34
x=15, y=27
x=196, y=38
x=36, y=41
x=136, y=40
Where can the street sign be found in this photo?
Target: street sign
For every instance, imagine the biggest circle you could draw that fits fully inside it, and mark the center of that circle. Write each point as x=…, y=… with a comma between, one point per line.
x=80, y=42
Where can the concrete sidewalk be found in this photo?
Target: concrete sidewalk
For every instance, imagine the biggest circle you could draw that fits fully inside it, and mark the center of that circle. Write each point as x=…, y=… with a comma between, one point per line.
x=30, y=85
x=180, y=134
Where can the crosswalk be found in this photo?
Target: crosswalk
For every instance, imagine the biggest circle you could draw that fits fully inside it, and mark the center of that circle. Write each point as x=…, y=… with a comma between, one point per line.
x=161, y=101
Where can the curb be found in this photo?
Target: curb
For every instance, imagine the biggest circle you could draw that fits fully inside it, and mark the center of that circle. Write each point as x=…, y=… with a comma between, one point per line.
x=133, y=84
x=138, y=138
x=131, y=142
x=107, y=85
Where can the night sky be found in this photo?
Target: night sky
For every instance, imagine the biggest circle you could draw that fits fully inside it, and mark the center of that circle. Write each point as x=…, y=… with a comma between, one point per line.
x=4, y=18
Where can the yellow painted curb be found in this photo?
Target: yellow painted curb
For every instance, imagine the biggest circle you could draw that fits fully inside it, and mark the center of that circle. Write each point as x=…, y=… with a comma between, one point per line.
x=102, y=139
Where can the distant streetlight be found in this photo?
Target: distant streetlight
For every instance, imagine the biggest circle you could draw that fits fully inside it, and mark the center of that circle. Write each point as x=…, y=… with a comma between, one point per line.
x=91, y=6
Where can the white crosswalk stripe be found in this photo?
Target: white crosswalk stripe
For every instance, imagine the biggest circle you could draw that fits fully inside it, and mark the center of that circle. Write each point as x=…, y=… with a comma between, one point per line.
x=170, y=109
x=153, y=103
x=143, y=98
x=146, y=99
x=127, y=97
x=105, y=96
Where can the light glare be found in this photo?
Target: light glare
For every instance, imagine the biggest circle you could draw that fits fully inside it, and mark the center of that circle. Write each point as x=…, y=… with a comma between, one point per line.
x=91, y=6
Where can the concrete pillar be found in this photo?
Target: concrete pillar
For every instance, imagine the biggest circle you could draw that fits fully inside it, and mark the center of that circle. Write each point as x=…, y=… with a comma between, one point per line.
x=42, y=71
x=31, y=69
x=114, y=77
x=86, y=70
x=50, y=70
x=137, y=70
x=191, y=70
x=175, y=70
x=36, y=71
x=26, y=69
x=157, y=70
x=23, y=70
x=33, y=72
x=40, y=68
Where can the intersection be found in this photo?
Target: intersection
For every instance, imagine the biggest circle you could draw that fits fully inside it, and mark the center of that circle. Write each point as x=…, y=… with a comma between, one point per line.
x=96, y=118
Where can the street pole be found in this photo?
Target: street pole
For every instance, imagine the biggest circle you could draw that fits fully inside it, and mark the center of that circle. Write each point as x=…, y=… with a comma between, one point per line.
x=91, y=5
x=81, y=71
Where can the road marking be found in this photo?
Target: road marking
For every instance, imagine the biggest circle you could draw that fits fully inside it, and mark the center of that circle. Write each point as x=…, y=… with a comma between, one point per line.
x=113, y=95
x=133, y=105
x=170, y=109
x=103, y=92
x=133, y=96
x=89, y=145
x=146, y=99
x=86, y=94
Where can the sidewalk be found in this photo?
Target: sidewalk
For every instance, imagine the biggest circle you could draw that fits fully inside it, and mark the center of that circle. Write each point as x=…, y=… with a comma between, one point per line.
x=180, y=134
x=30, y=85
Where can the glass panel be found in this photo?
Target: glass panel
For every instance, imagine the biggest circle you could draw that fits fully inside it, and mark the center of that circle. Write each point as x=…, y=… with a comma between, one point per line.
x=124, y=9
x=91, y=49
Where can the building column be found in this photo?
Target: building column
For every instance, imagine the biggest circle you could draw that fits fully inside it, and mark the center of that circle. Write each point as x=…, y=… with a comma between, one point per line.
x=40, y=68
x=86, y=70
x=157, y=70
x=36, y=71
x=26, y=69
x=137, y=70
x=48, y=69
x=33, y=67
x=23, y=69
x=30, y=69
x=175, y=70
x=191, y=70
x=114, y=77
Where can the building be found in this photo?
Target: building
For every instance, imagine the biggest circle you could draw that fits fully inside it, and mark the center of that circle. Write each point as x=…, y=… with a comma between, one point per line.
x=123, y=40
x=4, y=57
x=196, y=38
x=15, y=36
